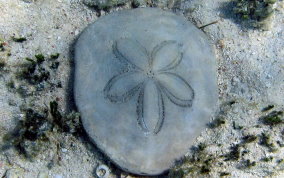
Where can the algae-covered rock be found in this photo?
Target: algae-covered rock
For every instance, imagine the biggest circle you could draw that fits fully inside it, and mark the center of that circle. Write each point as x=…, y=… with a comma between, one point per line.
x=258, y=12
x=104, y=4
x=101, y=4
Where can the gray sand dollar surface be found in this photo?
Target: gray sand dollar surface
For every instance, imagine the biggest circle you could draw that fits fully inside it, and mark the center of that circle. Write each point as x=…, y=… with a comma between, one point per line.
x=145, y=84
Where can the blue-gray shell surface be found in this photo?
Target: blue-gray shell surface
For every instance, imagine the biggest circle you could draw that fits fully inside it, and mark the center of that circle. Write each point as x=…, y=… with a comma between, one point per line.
x=145, y=85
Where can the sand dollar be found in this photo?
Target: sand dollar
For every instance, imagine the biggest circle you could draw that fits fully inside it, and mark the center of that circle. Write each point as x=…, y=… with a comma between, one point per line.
x=145, y=84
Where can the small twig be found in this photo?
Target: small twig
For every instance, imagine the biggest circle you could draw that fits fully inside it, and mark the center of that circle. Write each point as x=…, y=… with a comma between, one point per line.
x=208, y=24
x=58, y=154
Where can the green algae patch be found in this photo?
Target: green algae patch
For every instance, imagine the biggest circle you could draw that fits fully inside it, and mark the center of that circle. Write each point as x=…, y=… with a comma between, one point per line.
x=273, y=118
x=2, y=64
x=249, y=139
x=217, y=122
x=256, y=12
x=36, y=74
x=19, y=39
x=39, y=126
x=34, y=133
x=33, y=71
x=267, y=108
x=30, y=136
x=199, y=163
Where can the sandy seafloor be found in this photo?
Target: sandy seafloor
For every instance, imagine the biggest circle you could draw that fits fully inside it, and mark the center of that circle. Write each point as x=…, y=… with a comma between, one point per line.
x=250, y=72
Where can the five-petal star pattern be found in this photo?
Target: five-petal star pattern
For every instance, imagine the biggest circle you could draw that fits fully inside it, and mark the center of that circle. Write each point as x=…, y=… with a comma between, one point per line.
x=151, y=76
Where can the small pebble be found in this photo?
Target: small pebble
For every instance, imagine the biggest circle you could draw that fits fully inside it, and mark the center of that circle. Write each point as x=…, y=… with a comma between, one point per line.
x=76, y=32
x=102, y=171
x=43, y=175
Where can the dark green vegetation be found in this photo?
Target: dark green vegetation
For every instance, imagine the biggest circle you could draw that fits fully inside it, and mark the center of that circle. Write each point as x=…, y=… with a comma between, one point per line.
x=267, y=159
x=39, y=58
x=255, y=11
x=33, y=133
x=33, y=71
x=108, y=5
x=249, y=138
x=224, y=174
x=267, y=108
x=19, y=39
x=37, y=74
x=201, y=162
x=2, y=49
x=234, y=154
x=2, y=44
x=250, y=14
x=2, y=64
x=221, y=117
x=67, y=123
x=54, y=56
x=273, y=118
x=266, y=140
x=249, y=164
x=218, y=122
x=37, y=130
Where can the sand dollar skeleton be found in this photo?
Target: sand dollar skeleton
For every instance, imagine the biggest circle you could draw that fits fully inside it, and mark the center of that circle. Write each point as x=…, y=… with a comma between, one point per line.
x=145, y=85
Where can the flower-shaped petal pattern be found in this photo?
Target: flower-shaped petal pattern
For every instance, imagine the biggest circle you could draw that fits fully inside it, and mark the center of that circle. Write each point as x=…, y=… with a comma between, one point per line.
x=122, y=87
x=150, y=108
x=131, y=52
x=166, y=56
x=176, y=89
x=150, y=76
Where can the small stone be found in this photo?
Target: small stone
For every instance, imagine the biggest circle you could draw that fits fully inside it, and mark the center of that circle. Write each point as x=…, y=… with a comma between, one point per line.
x=145, y=85
x=42, y=175
x=102, y=171
x=76, y=32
